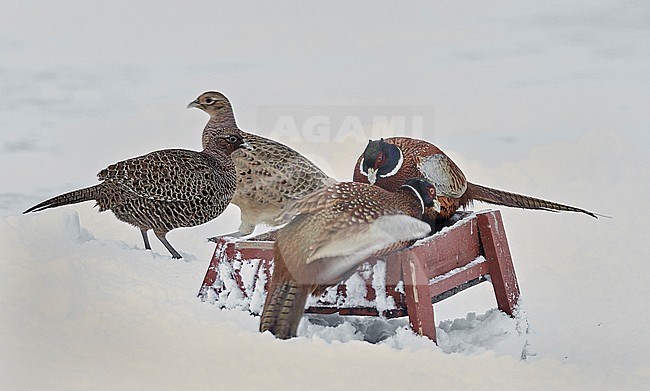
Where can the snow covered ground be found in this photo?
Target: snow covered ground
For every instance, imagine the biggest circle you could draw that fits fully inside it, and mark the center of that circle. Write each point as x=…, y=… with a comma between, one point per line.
x=548, y=99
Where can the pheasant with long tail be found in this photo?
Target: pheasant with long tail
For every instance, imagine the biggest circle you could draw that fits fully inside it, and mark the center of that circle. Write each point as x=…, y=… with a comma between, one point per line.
x=388, y=163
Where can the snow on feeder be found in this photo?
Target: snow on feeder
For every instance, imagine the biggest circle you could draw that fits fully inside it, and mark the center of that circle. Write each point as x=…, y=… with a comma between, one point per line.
x=408, y=282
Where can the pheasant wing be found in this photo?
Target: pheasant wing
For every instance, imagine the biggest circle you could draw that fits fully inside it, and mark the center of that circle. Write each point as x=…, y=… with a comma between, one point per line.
x=448, y=179
x=279, y=169
x=166, y=175
x=351, y=246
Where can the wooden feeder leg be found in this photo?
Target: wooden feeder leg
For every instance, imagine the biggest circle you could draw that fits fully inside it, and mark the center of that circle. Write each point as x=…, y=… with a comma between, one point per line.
x=497, y=254
x=418, y=299
x=211, y=273
x=393, y=278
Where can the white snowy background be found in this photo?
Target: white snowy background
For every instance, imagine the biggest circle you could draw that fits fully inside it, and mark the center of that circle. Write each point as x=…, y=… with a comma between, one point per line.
x=544, y=98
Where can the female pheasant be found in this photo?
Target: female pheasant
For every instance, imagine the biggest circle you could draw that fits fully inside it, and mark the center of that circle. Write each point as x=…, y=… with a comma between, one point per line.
x=269, y=177
x=388, y=163
x=164, y=189
x=335, y=230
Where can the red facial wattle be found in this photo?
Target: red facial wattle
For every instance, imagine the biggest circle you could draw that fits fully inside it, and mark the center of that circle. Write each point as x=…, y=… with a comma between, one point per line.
x=380, y=161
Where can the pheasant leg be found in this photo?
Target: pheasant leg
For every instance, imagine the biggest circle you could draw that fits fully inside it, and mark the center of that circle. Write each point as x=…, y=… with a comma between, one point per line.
x=145, y=238
x=171, y=249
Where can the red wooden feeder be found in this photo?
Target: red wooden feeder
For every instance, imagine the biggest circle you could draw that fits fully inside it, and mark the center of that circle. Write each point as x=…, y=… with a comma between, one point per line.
x=408, y=282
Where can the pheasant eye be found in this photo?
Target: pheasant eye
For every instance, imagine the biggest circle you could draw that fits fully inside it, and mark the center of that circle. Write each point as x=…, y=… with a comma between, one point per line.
x=209, y=101
x=232, y=139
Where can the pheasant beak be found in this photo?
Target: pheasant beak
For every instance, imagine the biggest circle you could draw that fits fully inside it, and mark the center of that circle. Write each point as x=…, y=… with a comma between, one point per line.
x=194, y=104
x=436, y=206
x=372, y=176
x=247, y=146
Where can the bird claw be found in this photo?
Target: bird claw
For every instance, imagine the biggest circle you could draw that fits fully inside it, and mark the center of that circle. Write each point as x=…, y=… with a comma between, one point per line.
x=234, y=235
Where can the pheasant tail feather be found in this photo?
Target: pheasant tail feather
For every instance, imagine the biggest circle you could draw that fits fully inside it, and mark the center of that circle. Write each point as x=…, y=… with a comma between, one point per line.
x=285, y=303
x=500, y=197
x=73, y=197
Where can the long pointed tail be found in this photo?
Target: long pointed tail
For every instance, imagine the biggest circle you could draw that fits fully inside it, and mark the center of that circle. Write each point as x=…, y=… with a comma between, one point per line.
x=285, y=302
x=500, y=197
x=73, y=197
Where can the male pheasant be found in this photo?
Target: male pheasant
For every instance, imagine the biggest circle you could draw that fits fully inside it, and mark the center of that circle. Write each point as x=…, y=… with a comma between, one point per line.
x=165, y=189
x=335, y=230
x=269, y=177
x=388, y=163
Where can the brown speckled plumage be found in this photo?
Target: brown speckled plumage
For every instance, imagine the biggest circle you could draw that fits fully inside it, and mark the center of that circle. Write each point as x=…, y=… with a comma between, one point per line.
x=165, y=189
x=420, y=158
x=269, y=177
x=334, y=230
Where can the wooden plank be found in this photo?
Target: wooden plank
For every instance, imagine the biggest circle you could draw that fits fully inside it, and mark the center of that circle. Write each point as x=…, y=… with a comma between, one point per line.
x=393, y=280
x=459, y=278
x=499, y=260
x=418, y=299
x=322, y=310
x=253, y=253
x=211, y=273
x=253, y=244
x=457, y=289
x=450, y=249
x=359, y=311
